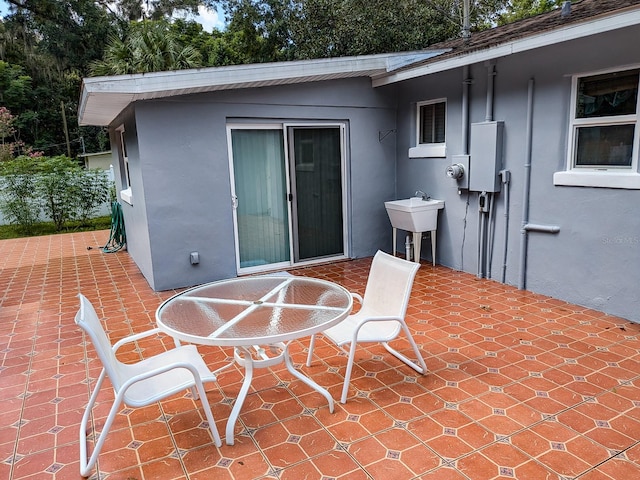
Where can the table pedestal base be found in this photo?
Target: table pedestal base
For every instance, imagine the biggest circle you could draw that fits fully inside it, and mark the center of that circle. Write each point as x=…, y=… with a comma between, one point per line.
x=243, y=356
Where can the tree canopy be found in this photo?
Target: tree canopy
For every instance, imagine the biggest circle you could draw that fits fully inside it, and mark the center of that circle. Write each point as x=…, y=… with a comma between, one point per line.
x=150, y=46
x=48, y=46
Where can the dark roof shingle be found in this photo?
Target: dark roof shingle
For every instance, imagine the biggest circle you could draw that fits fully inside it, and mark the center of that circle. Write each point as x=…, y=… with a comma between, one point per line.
x=581, y=11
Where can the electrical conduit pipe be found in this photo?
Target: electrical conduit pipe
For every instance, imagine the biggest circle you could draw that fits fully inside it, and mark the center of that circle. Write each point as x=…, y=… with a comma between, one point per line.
x=526, y=226
x=485, y=209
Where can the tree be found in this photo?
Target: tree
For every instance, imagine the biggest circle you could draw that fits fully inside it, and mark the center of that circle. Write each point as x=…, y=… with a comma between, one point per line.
x=148, y=47
x=262, y=28
x=36, y=106
x=16, y=95
x=46, y=46
x=53, y=43
x=519, y=9
x=216, y=48
x=124, y=10
x=71, y=33
x=332, y=28
x=15, y=86
x=301, y=29
x=482, y=14
x=137, y=10
x=6, y=131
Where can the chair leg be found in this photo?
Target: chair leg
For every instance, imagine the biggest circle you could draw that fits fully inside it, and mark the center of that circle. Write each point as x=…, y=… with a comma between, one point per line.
x=347, y=373
x=207, y=411
x=312, y=344
x=422, y=368
x=194, y=392
x=86, y=466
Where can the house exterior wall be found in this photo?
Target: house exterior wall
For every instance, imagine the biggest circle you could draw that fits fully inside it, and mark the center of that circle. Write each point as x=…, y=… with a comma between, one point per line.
x=178, y=155
x=181, y=158
x=135, y=213
x=594, y=259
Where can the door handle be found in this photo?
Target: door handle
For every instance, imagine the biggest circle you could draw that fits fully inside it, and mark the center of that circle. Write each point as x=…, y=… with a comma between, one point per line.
x=291, y=197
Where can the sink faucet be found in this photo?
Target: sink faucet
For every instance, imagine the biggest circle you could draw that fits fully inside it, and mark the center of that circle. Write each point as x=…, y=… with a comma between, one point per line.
x=421, y=194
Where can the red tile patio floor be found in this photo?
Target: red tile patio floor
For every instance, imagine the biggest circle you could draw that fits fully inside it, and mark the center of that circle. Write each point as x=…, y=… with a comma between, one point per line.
x=519, y=385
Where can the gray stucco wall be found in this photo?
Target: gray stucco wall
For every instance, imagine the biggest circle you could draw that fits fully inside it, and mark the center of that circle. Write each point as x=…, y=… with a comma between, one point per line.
x=135, y=214
x=181, y=183
x=594, y=260
x=184, y=165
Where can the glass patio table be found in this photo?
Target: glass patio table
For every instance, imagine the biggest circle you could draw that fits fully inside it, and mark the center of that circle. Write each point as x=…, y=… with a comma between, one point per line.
x=258, y=317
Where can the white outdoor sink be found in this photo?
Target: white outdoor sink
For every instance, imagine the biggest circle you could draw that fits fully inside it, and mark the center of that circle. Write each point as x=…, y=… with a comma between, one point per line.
x=414, y=214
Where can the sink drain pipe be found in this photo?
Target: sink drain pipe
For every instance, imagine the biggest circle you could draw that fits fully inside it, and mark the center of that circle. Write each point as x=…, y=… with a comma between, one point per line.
x=526, y=226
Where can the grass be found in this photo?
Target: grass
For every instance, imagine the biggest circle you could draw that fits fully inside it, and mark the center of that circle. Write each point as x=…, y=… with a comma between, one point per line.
x=49, y=228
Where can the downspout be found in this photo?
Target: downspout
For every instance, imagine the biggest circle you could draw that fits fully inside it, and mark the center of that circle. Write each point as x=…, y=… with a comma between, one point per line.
x=526, y=226
x=485, y=199
x=527, y=184
x=482, y=205
x=466, y=87
x=490, y=234
x=505, y=177
x=466, y=82
x=491, y=73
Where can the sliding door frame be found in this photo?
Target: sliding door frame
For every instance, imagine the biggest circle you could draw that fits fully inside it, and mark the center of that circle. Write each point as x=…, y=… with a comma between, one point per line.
x=286, y=127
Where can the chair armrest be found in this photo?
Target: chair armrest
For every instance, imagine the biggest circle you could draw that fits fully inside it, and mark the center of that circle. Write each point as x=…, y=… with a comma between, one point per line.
x=157, y=371
x=362, y=322
x=381, y=318
x=133, y=338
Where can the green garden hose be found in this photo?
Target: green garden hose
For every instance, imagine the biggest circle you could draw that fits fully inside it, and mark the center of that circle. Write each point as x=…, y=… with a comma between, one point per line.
x=118, y=237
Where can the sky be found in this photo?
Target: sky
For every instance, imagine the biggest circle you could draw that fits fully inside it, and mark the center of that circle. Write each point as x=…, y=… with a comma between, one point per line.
x=4, y=7
x=208, y=18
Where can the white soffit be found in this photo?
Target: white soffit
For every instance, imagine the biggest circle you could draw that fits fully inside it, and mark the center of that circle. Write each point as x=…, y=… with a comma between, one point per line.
x=587, y=28
x=103, y=98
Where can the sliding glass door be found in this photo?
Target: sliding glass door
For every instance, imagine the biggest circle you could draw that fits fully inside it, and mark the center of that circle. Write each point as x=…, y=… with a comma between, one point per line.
x=260, y=197
x=288, y=194
x=316, y=160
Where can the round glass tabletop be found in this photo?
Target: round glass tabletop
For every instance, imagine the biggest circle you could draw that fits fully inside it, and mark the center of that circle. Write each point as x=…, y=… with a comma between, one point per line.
x=254, y=310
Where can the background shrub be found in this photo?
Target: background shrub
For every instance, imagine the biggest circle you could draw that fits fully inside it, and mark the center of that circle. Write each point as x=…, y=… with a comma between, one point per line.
x=19, y=200
x=54, y=187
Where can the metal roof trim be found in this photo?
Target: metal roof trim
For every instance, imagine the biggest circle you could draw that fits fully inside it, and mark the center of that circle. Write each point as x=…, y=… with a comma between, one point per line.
x=181, y=82
x=593, y=26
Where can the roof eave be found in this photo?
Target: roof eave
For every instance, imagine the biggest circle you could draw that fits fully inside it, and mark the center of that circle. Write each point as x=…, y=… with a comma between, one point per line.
x=595, y=26
x=103, y=98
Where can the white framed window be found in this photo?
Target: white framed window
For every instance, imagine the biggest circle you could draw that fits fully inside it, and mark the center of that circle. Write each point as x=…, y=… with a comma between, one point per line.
x=431, y=123
x=603, y=131
x=125, y=194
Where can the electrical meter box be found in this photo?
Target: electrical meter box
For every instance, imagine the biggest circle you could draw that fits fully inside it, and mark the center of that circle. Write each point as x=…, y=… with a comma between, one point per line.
x=486, y=156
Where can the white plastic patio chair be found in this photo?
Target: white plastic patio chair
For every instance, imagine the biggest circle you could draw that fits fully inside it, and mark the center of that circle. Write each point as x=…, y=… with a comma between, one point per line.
x=139, y=384
x=381, y=316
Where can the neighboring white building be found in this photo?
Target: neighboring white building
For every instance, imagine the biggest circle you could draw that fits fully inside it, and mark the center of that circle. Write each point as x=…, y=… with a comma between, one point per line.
x=101, y=160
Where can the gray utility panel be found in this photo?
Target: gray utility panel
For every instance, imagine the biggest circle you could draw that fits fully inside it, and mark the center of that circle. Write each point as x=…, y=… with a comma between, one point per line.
x=486, y=156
